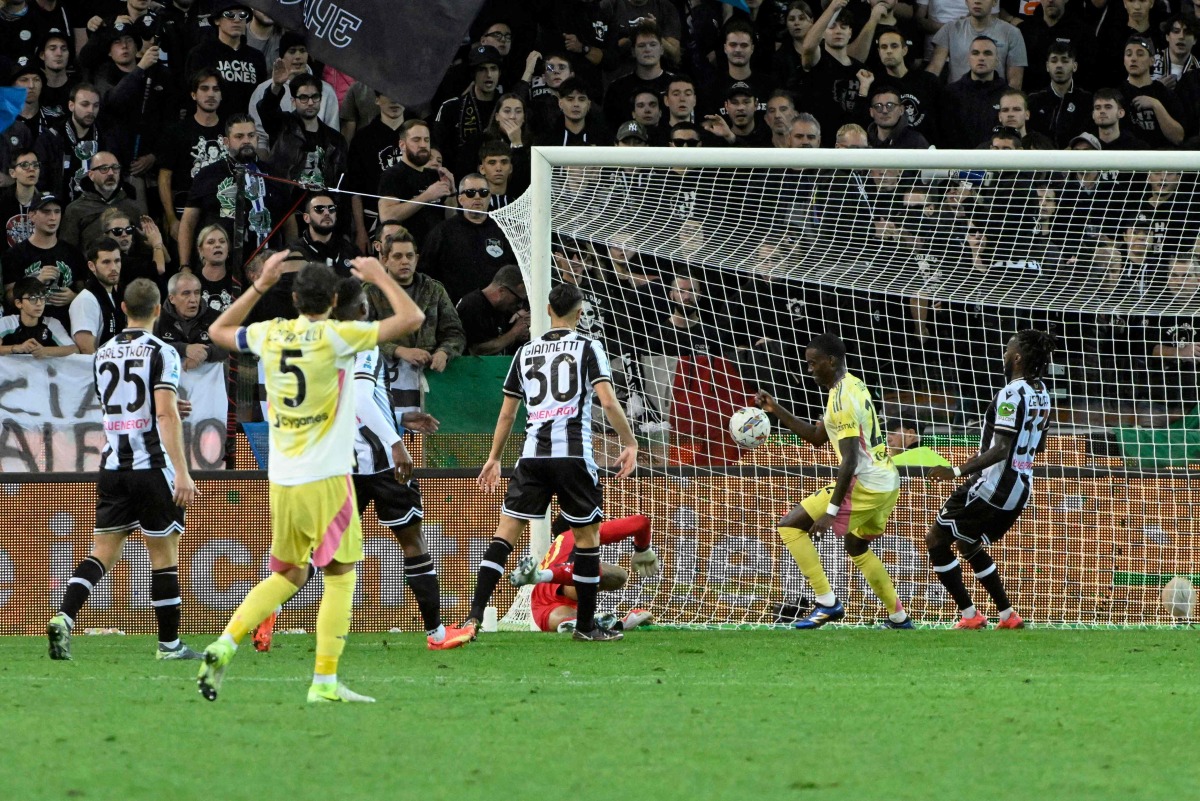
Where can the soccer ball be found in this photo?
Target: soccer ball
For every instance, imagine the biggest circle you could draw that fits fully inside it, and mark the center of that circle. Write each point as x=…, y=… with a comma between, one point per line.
x=1179, y=597
x=750, y=427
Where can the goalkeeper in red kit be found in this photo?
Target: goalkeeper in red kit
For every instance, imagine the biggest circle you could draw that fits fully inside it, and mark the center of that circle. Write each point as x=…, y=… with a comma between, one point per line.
x=554, y=601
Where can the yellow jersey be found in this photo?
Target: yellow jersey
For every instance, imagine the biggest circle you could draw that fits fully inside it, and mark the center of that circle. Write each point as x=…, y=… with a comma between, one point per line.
x=309, y=369
x=850, y=412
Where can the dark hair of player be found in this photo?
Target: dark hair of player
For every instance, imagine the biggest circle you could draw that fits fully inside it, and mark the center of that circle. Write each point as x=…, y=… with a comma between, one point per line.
x=565, y=298
x=141, y=296
x=315, y=286
x=349, y=299
x=1036, y=349
x=101, y=244
x=830, y=345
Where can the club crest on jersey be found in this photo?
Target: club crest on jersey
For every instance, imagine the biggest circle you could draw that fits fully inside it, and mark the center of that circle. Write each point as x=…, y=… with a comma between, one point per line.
x=494, y=249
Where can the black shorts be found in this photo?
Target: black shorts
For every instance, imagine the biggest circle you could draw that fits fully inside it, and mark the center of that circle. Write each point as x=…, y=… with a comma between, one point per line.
x=396, y=505
x=972, y=519
x=144, y=499
x=536, y=481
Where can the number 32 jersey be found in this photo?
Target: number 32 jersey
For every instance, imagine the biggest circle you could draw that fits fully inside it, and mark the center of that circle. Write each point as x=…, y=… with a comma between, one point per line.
x=851, y=413
x=309, y=369
x=1021, y=411
x=128, y=368
x=556, y=375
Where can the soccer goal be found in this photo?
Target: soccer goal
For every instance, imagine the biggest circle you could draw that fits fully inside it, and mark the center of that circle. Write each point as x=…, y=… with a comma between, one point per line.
x=707, y=271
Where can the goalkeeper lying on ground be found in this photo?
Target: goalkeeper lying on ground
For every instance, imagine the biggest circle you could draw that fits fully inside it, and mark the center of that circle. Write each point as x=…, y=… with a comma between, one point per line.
x=554, y=601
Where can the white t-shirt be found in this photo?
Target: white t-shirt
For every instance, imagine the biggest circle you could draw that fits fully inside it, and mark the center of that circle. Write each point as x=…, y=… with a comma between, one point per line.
x=85, y=314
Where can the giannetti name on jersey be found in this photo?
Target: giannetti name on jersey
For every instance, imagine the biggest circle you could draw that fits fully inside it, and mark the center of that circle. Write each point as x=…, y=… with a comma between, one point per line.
x=300, y=422
x=546, y=414
x=553, y=346
x=127, y=425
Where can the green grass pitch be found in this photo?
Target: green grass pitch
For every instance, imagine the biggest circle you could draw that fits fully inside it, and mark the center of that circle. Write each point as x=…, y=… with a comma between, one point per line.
x=1049, y=715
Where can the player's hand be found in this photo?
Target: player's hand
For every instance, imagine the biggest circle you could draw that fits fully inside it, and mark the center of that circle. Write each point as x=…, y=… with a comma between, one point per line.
x=942, y=473
x=645, y=562
x=765, y=401
x=820, y=527
x=439, y=361
x=185, y=490
x=184, y=407
x=368, y=269
x=627, y=461
x=271, y=271
x=489, y=476
x=420, y=422
x=403, y=460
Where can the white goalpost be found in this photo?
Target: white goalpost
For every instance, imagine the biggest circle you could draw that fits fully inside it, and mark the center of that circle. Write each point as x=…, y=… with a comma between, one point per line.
x=706, y=271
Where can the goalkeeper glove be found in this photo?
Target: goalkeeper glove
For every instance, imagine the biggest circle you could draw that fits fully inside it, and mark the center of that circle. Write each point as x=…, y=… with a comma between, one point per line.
x=645, y=562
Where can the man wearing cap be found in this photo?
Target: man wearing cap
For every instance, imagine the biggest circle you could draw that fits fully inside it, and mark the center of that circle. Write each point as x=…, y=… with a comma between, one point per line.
x=32, y=120
x=830, y=80
x=293, y=60
x=1108, y=109
x=496, y=318
x=648, y=74
x=136, y=92
x=241, y=67
x=739, y=127
x=1152, y=108
x=632, y=134
x=971, y=103
x=60, y=267
x=102, y=189
x=23, y=25
x=465, y=251
x=953, y=43
x=458, y=127
x=1063, y=109
x=54, y=56
x=1114, y=32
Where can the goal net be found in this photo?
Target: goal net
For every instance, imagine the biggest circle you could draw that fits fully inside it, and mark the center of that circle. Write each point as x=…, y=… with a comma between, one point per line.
x=706, y=273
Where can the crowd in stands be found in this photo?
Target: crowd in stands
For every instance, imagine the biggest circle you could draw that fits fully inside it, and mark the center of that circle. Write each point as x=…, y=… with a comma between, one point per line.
x=182, y=140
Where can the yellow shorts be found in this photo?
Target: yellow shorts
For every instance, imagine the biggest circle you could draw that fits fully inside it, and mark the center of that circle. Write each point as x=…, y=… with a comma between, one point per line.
x=318, y=521
x=864, y=513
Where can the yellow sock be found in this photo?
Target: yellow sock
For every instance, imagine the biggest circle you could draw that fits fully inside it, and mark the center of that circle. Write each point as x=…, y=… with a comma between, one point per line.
x=877, y=576
x=261, y=601
x=333, y=621
x=805, y=554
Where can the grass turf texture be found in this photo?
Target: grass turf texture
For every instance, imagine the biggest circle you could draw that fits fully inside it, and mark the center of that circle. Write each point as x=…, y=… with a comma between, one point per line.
x=834, y=714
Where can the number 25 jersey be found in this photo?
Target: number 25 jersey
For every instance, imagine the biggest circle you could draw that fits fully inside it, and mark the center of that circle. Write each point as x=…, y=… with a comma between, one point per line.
x=309, y=369
x=851, y=413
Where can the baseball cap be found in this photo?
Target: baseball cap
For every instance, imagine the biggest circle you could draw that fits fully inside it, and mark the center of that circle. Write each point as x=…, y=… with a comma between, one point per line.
x=509, y=276
x=632, y=130
x=1143, y=42
x=28, y=68
x=1091, y=139
x=739, y=89
x=43, y=200
x=483, y=54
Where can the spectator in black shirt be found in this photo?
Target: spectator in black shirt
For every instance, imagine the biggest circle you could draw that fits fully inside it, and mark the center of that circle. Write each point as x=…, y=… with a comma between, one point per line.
x=1108, y=109
x=461, y=120
x=1063, y=109
x=374, y=148
x=319, y=240
x=412, y=178
x=575, y=127
x=15, y=199
x=465, y=251
x=738, y=45
x=241, y=67
x=303, y=148
x=739, y=126
x=1155, y=113
x=648, y=74
x=920, y=92
x=889, y=127
x=32, y=120
x=1015, y=114
x=61, y=268
x=67, y=146
x=495, y=319
x=190, y=146
x=973, y=101
x=29, y=331
x=1056, y=27
x=831, y=77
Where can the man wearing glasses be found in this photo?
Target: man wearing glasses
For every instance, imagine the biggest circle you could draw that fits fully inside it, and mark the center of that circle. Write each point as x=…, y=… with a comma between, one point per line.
x=319, y=240
x=465, y=251
x=292, y=61
x=303, y=148
x=16, y=198
x=100, y=190
x=890, y=124
x=241, y=67
x=27, y=331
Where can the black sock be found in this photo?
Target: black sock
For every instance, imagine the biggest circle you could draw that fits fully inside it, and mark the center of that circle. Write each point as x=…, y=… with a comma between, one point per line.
x=587, y=585
x=168, y=605
x=423, y=581
x=949, y=572
x=491, y=569
x=985, y=570
x=86, y=576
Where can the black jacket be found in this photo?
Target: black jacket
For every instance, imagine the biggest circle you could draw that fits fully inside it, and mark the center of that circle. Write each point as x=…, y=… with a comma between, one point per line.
x=179, y=333
x=291, y=144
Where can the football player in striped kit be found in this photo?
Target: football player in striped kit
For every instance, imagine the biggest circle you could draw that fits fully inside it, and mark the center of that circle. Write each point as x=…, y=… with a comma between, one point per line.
x=983, y=509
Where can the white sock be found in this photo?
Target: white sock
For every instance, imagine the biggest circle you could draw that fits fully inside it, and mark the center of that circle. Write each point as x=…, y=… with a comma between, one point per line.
x=545, y=576
x=968, y=613
x=439, y=635
x=1006, y=614
x=227, y=639
x=827, y=599
x=70, y=622
x=170, y=646
x=898, y=617
x=321, y=678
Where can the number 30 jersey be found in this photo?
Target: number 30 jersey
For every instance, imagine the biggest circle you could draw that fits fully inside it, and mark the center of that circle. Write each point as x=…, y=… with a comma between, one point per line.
x=1023, y=412
x=309, y=369
x=128, y=368
x=556, y=375
x=851, y=413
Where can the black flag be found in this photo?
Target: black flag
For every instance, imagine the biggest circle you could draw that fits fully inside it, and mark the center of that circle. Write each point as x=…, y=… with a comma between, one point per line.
x=398, y=47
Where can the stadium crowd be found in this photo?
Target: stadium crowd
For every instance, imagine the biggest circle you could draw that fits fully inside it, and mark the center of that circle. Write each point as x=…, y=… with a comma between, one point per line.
x=183, y=141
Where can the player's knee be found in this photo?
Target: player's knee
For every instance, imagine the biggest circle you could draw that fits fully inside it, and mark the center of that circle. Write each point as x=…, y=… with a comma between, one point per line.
x=612, y=578
x=855, y=546
x=936, y=537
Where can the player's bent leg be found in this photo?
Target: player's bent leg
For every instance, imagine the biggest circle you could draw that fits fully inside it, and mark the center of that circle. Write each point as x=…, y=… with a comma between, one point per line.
x=166, y=597
x=558, y=619
x=793, y=533
x=876, y=574
x=989, y=576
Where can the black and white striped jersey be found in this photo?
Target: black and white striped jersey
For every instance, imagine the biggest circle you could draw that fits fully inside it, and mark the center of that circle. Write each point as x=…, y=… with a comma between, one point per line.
x=556, y=375
x=128, y=369
x=1023, y=412
x=377, y=428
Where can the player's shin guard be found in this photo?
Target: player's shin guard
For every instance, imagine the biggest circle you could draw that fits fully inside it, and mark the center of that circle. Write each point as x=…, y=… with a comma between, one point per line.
x=267, y=596
x=877, y=576
x=949, y=572
x=167, y=603
x=423, y=581
x=801, y=547
x=333, y=621
x=985, y=570
x=587, y=586
x=86, y=576
x=491, y=570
